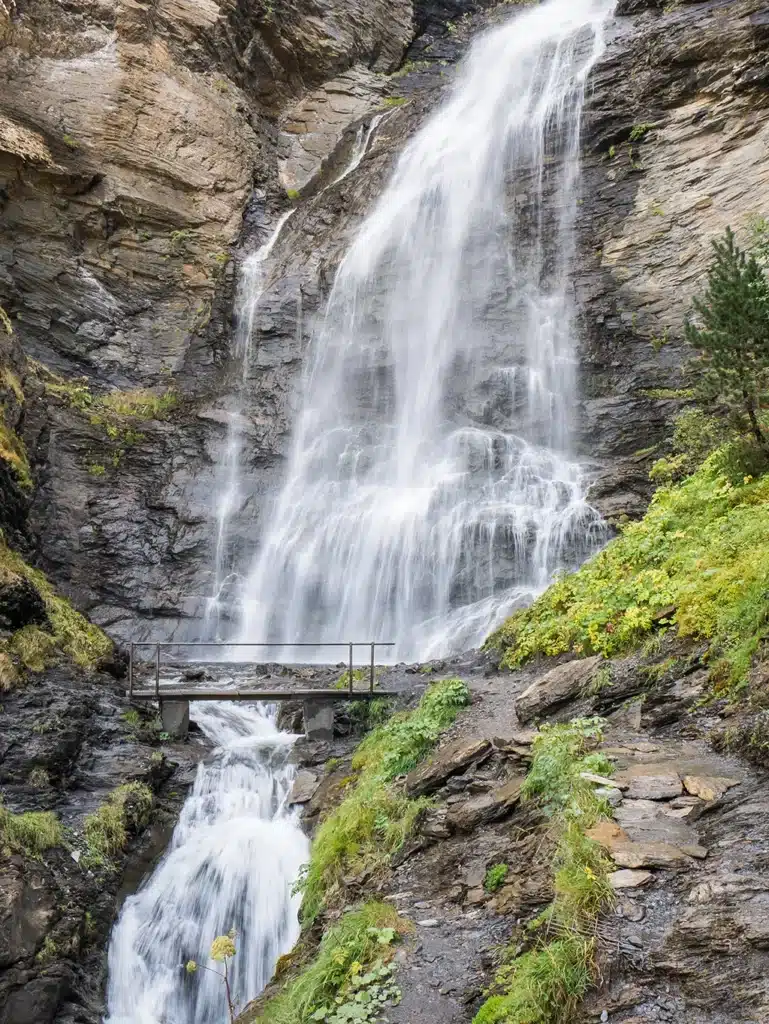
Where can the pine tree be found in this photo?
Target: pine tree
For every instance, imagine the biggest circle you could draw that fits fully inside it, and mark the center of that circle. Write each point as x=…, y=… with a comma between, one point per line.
x=731, y=334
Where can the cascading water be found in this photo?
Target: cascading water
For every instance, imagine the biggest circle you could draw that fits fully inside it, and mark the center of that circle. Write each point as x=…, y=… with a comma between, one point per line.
x=250, y=290
x=404, y=515
x=234, y=856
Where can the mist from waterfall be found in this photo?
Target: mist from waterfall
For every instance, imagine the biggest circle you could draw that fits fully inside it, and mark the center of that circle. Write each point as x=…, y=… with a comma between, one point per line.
x=405, y=515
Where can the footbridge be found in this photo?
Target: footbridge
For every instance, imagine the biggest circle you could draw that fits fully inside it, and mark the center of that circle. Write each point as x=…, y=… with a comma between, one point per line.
x=318, y=702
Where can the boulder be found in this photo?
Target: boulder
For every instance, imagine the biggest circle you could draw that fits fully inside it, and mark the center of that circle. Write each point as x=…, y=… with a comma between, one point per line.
x=488, y=807
x=449, y=760
x=607, y=834
x=304, y=788
x=555, y=687
x=652, y=782
x=652, y=855
x=626, y=879
x=708, y=787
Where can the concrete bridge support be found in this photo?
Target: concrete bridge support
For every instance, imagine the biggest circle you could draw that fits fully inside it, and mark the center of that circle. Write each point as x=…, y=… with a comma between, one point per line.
x=175, y=717
x=319, y=720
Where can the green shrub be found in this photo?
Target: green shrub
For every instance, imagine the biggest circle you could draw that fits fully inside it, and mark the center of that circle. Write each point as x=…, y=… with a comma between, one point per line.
x=375, y=818
x=731, y=335
x=352, y=959
x=126, y=810
x=31, y=833
x=495, y=877
x=698, y=561
x=544, y=984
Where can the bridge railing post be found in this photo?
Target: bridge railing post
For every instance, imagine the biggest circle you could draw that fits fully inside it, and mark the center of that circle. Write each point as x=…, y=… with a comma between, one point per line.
x=157, y=671
x=351, y=671
x=371, y=677
x=131, y=670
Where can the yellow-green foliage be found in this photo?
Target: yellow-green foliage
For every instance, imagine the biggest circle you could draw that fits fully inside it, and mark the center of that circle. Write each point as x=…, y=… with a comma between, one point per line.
x=70, y=632
x=31, y=833
x=118, y=413
x=361, y=940
x=375, y=818
x=13, y=452
x=702, y=551
x=545, y=984
x=12, y=448
x=126, y=809
x=5, y=321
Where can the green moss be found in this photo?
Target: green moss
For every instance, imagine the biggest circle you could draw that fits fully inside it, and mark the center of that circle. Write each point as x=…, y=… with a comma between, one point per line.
x=495, y=877
x=360, y=942
x=375, y=818
x=545, y=984
x=293, y=194
x=394, y=101
x=640, y=130
x=117, y=413
x=31, y=833
x=5, y=322
x=70, y=632
x=127, y=809
x=13, y=452
x=33, y=646
x=698, y=561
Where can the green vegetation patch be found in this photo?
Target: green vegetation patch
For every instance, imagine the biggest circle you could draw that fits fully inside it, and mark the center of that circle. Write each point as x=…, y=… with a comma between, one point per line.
x=31, y=833
x=118, y=413
x=495, y=877
x=350, y=978
x=125, y=811
x=68, y=632
x=13, y=452
x=545, y=984
x=374, y=819
x=698, y=560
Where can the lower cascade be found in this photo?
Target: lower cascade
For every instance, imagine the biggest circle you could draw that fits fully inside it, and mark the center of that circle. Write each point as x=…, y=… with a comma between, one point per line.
x=234, y=856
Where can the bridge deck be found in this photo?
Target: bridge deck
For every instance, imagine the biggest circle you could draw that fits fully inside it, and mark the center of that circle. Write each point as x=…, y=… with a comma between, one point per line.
x=189, y=693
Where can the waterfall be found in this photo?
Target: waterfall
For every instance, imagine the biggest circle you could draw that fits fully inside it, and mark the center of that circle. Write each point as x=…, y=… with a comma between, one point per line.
x=234, y=856
x=430, y=486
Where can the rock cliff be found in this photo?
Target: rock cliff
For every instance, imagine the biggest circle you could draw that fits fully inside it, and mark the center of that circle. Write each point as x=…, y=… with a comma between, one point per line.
x=146, y=148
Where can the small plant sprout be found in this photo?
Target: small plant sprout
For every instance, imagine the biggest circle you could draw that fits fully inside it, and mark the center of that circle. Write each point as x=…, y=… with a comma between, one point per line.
x=222, y=951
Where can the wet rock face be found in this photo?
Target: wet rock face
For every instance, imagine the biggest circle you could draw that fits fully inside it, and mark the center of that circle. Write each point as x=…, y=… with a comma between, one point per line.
x=136, y=137
x=64, y=746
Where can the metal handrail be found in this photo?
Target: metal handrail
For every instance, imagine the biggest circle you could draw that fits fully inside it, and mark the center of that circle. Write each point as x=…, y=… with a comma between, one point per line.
x=225, y=643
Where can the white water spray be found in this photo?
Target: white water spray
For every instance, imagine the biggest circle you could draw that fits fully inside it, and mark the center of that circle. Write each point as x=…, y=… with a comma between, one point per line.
x=234, y=856
x=253, y=280
x=404, y=515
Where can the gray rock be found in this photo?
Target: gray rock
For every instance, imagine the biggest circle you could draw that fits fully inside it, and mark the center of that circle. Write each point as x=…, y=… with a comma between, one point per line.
x=304, y=788
x=448, y=760
x=555, y=687
x=488, y=807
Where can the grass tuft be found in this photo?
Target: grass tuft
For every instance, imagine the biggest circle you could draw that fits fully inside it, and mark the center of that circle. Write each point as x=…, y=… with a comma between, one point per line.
x=373, y=821
x=70, y=632
x=545, y=984
x=697, y=562
x=126, y=810
x=31, y=833
x=360, y=940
